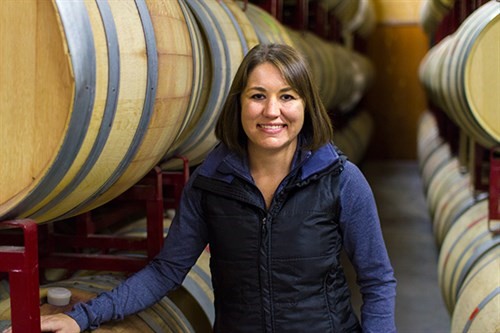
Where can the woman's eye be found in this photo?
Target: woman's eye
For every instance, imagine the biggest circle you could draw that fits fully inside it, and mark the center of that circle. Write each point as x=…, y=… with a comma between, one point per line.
x=287, y=97
x=258, y=96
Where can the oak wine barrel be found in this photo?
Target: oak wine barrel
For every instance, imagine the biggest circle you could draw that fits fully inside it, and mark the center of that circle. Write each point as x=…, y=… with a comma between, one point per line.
x=428, y=137
x=225, y=45
x=99, y=109
x=162, y=317
x=465, y=243
x=478, y=303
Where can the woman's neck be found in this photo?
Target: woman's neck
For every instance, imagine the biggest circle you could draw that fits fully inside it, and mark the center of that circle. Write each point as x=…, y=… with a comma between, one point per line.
x=271, y=162
x=268, y=170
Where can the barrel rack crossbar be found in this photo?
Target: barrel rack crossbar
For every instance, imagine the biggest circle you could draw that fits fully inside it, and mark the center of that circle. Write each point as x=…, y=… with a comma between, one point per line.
x=39, y=248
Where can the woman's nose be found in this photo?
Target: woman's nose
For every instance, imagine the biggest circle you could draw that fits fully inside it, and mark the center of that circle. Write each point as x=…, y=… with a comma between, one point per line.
x=272, y=108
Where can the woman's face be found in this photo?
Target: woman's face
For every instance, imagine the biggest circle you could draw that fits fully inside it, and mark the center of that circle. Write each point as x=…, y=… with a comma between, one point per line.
x=272, y=113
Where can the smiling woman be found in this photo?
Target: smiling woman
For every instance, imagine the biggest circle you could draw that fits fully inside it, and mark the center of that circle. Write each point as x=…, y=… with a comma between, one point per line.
x=276, y=202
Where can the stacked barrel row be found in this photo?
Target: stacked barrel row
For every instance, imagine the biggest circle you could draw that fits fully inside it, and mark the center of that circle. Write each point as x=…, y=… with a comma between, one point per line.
x=457, y=74
x=460, y=75
x=469, y=252
x=95, y=93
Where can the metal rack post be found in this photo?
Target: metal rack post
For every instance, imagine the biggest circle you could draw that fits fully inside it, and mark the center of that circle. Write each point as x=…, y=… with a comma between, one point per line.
x=494, y=191
x=21, y=264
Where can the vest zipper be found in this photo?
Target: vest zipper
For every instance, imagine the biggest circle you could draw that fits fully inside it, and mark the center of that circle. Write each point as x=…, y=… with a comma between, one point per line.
x=266, y=232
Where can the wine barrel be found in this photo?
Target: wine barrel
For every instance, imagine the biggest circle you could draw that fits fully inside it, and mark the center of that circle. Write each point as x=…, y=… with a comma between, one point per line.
x=428, y=138
x=459, y=75
x=361, y=73
x=434, y=162
x=353, y=138
x=345, y=75
x=430, y=72
x=478, y=303
x=311, y=55
x=365, y=20
x=248, y=36
x=355, y=16
x=447, y=175
x=161, y=317
x=465, y=243
x=362, y=124
x=454, y=201
x=320, y=57
x=225, y=47
x=432, y=14
x=477, y=67
x=201, y=69
x=345, y=11
x=267, y=27
x=99, y=110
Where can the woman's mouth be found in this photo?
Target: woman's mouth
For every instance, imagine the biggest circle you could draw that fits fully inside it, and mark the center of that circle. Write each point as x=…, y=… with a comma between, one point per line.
x=271, y=127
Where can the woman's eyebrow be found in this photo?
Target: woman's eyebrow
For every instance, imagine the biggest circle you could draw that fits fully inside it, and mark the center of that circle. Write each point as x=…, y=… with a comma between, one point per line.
x=259, y=88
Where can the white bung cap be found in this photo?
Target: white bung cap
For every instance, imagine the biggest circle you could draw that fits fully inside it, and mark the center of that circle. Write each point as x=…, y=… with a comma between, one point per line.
x=58, y=296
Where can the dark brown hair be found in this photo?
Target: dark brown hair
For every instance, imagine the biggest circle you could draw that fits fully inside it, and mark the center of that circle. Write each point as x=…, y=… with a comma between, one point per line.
x=317, y=127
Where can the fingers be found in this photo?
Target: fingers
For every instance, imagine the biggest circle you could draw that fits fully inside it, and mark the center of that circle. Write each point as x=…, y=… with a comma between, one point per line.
x=59, y=323
x=51, y=324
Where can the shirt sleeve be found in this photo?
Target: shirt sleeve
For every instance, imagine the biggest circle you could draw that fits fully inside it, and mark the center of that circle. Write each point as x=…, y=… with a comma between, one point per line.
x=365, y=247
x=186, y=239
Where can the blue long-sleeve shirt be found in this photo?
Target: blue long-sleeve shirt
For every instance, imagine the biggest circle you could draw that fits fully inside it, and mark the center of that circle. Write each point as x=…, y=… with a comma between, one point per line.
x=188, y=236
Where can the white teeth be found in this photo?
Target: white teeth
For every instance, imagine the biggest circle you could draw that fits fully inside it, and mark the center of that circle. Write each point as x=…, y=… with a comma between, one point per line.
x=271, y=126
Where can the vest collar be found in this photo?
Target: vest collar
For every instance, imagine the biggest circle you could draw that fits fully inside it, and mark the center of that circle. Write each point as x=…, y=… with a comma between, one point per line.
x=224, y=164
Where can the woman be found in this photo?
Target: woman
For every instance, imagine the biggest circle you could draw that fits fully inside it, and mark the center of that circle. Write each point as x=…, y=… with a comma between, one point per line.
x=276, y=202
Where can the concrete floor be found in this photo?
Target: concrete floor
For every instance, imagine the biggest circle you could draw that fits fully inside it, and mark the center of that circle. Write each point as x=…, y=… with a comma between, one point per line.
x=407, y=230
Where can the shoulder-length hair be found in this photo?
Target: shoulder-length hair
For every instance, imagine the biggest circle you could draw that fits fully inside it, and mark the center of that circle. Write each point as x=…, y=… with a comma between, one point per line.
x=317, y=128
